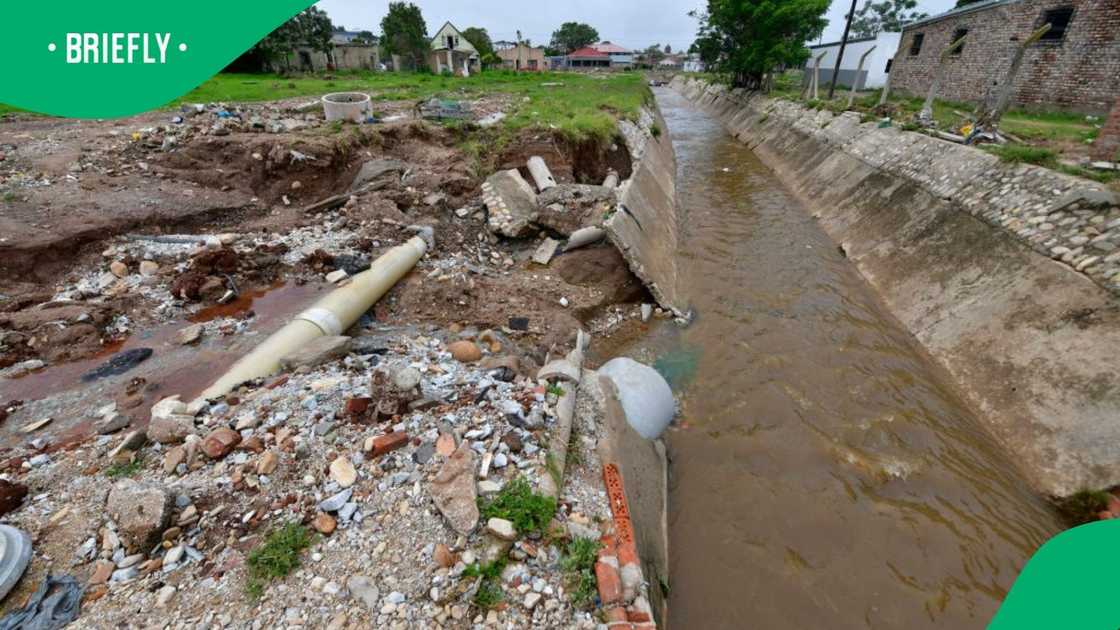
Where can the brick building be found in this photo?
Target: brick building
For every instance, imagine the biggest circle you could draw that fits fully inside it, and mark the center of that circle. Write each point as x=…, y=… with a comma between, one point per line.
x=1075, y=66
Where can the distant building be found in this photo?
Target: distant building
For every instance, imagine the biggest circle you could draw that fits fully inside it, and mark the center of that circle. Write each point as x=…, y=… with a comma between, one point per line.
x=522, y=57
x=452, y=52
x=694, y=64
x=621, y=58
x=875, y=69
x=339, y=38
x=1076, y=65
x=588, y=57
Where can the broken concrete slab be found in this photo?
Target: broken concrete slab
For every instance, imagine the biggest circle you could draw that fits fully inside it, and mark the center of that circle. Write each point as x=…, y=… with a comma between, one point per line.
x=375, y=169
x=568, y=207
x=545, y=251
x=646, y=226
x=511, y=202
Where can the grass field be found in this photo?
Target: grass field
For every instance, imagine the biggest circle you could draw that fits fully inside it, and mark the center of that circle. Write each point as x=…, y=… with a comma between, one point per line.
x=579, y=105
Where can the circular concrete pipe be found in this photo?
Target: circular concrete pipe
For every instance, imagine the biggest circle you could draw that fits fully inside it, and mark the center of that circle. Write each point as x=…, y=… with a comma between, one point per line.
x=352, y=106
x=330, y=316
x=644, y=394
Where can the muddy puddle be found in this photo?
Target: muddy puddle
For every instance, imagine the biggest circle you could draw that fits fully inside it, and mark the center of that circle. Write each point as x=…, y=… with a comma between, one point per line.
x=825, y=475
x=171, y=369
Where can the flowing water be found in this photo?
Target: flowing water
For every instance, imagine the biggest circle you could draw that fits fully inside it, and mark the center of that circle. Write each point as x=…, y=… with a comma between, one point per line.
x=825, y=476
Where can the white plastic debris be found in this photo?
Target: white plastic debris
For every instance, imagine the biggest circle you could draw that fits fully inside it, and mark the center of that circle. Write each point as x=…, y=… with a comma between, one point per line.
x=645, y=396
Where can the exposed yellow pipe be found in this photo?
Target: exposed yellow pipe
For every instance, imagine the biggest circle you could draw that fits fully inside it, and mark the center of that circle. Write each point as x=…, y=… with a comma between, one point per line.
x=332, y=315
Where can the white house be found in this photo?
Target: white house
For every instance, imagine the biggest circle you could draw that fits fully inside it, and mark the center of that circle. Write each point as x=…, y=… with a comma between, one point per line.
x=875, y=68
x=453, y=53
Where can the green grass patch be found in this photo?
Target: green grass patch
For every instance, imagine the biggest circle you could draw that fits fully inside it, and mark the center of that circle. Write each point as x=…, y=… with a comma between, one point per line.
x=555, y=389
x=517, y=503
x=576, y=105
x=124, y=469
x=1022, y=154
x=277, y=557
x=578, y=564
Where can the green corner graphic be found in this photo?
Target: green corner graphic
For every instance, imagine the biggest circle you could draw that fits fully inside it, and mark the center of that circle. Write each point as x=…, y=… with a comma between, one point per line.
x=1068, y=585
x=173, y=48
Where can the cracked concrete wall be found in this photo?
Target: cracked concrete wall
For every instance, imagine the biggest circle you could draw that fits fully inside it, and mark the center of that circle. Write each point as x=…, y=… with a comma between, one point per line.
x=645, y=228
x=1006, y=279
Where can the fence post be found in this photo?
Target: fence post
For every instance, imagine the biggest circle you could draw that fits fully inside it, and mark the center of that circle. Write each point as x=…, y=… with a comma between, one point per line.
x=859, y=69
x=926, y=115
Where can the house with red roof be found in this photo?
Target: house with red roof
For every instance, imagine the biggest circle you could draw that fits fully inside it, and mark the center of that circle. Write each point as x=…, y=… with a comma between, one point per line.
x=604, y=56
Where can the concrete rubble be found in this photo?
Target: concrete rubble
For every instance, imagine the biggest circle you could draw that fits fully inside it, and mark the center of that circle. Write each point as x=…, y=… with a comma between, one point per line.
x=381, y=440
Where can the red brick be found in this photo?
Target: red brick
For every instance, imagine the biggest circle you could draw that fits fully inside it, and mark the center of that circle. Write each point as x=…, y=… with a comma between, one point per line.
x=610, y=584
x=616, y=614
x=1107, y=144
x=357, y=406
x=388, y=443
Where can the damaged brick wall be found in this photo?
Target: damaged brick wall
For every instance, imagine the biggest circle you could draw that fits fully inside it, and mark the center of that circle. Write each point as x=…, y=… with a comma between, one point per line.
x=1077, y=72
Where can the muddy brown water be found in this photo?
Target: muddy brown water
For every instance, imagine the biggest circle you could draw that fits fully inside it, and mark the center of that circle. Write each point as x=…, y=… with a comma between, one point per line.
x=825, y=475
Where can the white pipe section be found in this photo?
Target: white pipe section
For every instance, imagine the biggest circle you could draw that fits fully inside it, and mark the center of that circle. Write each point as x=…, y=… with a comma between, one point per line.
x=541, y=175
x=330, y=316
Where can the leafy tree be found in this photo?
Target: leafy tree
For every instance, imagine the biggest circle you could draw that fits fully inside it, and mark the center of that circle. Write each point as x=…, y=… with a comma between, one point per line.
x=653, y=55
x=404, y=33
x=748, y=39
x=310, y=27
x=573, y=36
x=480, y=39
x=668, y=49
x=365, y=36
x=888, y=15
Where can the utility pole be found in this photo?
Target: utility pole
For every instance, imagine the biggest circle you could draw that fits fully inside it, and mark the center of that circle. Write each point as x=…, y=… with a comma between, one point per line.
x=840, y=55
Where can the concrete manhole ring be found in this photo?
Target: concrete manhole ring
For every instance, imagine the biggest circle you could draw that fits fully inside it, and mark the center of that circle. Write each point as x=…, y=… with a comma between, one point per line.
x=352, y=106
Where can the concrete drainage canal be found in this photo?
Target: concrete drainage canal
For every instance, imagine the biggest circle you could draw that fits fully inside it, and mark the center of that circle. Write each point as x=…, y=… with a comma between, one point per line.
x=823, y=472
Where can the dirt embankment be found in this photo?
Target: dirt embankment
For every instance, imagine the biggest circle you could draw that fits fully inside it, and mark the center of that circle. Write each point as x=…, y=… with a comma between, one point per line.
x=266, y=185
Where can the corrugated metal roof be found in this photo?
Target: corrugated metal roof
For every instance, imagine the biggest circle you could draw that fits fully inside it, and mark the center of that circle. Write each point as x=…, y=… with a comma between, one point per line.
x=589, y=53
x=968, y=8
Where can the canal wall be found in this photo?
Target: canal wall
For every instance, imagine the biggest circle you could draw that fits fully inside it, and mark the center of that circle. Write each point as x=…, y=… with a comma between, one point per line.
x=1007, y=274
x=645, y=227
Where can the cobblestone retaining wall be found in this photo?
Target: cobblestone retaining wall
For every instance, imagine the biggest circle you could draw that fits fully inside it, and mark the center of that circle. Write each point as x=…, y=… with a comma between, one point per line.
x=1007, y=274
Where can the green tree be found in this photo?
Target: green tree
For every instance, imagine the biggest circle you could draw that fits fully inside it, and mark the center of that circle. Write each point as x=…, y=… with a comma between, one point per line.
x=366, y=37
x=748, y=39
x=653, y=55
x=573, y=36
x=404, y=33
x=480, y=39
x=888, y=15
x=310, y=27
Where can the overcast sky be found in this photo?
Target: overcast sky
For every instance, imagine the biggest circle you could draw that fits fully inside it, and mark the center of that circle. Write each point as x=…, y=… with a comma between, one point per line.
x=631, y=23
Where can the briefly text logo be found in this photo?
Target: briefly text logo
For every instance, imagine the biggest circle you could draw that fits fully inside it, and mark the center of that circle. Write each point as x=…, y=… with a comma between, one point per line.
x=117, y=48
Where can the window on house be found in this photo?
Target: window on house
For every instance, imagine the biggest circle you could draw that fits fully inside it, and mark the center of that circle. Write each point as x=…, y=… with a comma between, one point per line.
x=1058, y=19
x=957, y=34
x=916, y=44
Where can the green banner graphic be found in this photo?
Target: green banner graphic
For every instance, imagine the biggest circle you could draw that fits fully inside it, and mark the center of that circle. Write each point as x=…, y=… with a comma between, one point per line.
x=106, y=59
x=1067, y=585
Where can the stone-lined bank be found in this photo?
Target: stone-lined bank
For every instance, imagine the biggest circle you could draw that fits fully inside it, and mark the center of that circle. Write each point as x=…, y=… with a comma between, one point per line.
x=1007, y=274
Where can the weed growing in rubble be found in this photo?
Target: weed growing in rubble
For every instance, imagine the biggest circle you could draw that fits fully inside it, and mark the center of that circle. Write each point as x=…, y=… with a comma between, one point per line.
x=555, y=389
x=277, y=557
x=518, y=504
x=126, y=469
x=489, y=593
x=578, y=565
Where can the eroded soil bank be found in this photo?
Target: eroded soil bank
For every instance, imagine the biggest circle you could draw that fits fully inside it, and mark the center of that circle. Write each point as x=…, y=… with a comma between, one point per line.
x=825, y=473
x=440, y=375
